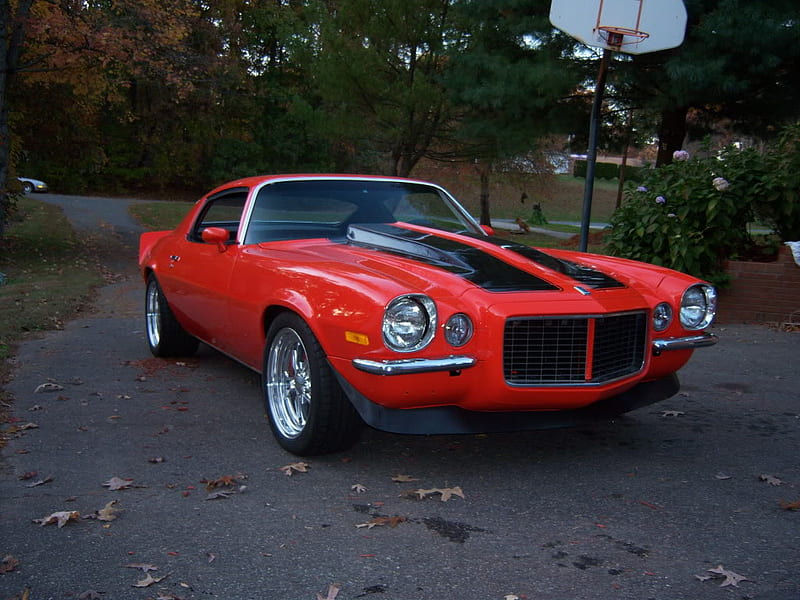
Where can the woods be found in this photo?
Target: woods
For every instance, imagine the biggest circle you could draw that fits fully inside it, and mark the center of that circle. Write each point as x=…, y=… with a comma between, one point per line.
x=119, y=96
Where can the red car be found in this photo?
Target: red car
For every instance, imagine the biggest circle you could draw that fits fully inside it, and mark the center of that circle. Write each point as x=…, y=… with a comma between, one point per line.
x=380, y=300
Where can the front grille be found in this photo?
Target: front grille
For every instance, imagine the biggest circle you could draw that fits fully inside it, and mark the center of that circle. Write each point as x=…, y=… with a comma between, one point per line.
x=573, y=350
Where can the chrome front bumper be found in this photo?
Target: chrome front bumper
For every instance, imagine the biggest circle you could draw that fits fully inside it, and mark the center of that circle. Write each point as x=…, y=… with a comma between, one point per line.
x=407, y=366
x=684, y=343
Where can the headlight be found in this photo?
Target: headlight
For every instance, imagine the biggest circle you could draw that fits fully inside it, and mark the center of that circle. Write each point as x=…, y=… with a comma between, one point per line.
x=662, y=316
x=698, y=306
x=409, y=323
x=458, y=330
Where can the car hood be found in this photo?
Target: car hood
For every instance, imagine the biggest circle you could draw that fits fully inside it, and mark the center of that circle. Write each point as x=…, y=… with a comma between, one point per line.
x=494, y=264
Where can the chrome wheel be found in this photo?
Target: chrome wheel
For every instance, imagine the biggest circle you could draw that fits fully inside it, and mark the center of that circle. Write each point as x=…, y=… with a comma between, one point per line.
x=288, y=383
x=165, y=336
x=153, y=314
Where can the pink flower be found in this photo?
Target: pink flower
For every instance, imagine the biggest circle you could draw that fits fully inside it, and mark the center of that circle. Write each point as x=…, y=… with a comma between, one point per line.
x=661, y=200
x=680, y=155
x=720, y=184
x=641, y=188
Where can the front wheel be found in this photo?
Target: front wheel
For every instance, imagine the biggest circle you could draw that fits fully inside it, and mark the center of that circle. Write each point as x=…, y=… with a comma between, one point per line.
x=165, y=336
x=308, y=412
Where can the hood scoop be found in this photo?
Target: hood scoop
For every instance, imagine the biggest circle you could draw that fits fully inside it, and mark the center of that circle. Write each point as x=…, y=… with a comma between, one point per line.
x=463, y=260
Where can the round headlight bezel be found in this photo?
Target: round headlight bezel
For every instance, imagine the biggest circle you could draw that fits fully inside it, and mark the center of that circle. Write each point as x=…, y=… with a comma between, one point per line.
x=458, y=330
x=662, y=316
x=409, y=323
x=698, y=306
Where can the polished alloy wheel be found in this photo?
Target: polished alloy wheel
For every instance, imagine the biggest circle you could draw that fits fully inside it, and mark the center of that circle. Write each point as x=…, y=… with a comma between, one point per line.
x=288, y=383
x=153, y=315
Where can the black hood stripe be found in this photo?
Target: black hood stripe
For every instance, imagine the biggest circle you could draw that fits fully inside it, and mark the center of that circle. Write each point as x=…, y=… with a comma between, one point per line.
x=581, y=273
x=464, y=260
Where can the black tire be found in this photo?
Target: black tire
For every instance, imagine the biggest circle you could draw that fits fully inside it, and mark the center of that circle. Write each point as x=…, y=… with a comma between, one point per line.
x=27, y=187
x=308, y=412
x=165, y=336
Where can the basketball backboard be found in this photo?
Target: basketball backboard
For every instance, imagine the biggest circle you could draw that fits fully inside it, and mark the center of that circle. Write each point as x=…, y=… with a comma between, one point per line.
x=630, y=26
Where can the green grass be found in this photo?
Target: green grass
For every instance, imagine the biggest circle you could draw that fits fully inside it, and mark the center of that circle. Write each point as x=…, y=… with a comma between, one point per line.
x=156, y=216
x=48, y=272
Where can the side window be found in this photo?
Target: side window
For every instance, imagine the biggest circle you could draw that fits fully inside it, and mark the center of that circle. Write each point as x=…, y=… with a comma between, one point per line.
x=223, y=211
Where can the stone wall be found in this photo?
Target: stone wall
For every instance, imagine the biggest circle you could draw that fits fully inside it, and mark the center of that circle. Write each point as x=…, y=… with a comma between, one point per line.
x=762, y=292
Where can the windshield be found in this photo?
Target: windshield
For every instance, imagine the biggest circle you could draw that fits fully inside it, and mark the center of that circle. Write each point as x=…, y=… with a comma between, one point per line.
x=302, y=209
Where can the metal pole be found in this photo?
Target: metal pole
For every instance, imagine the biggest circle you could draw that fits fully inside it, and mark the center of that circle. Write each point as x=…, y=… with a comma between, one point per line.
x=591, y=154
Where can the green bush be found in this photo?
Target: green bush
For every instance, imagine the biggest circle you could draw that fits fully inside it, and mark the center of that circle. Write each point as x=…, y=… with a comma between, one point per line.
x=690, y=215
x=601, y=170
x=777, y=195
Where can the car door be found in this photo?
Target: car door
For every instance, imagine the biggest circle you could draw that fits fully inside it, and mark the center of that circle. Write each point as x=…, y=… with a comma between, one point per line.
x=199, y=272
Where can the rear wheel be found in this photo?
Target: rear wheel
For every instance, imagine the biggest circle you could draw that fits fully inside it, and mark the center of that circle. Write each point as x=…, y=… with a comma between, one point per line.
x=165, y=336
x=308, y=412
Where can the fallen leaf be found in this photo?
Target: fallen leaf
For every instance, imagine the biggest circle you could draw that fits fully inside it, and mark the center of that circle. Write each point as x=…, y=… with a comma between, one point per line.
x=47, y=387
x=108, y=512
x=219, y=494
x=770, y=479
x=299, y=467
x=149, y=580
x=156, y=460
x=380, y=521
x=116, y=483
x=722, y=476
x=8, y=563
x=731, y=578
x=446, y=493
x=225, y=480
x=39, y=482
x=790, y=505
x=90, y=595
x=672, y=413
x=62, y=518
x=333, y=591
x=358, y=488
x=28, y=475
x=403, y=478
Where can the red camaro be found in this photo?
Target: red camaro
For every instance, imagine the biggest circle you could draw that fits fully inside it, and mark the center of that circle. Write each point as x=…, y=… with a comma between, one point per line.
x=380, y=300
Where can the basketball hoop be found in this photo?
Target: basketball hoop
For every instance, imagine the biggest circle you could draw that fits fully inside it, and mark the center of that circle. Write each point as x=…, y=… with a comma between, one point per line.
x=615, y=36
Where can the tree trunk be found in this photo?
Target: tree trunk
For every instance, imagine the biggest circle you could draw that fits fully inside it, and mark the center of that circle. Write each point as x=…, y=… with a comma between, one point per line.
x=671, y=134
x=12, y=36
x=485, y=172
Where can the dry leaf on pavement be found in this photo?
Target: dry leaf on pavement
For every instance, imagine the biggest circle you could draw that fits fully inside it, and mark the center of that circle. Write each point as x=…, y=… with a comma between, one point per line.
x=790, y=505
x=446, y=493
x=333, y=591
x=770, y=479
x=62, y=518
x=378, y=521
x=299, y=467
x=403, y=478
x=39, y=482
x=8, y=563
x=149, y=580
x=358, y=488
x=117, y=483
x=108, y=512
x=720, y=572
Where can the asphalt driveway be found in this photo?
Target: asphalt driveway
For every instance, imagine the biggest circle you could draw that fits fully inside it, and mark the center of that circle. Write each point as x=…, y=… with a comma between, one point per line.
x=180, y=491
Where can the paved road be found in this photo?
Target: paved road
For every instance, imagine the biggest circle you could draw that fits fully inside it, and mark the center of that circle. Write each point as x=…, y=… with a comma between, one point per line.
x=632, y=510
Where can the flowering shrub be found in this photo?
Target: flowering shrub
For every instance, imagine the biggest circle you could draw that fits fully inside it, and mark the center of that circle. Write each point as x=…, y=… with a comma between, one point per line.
x=690, y=215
